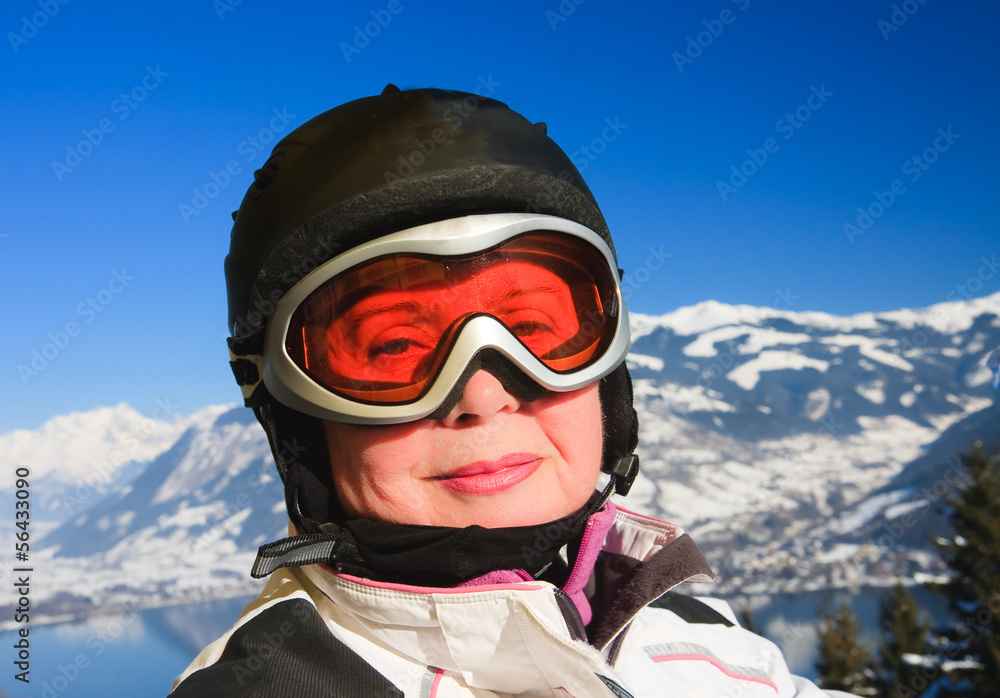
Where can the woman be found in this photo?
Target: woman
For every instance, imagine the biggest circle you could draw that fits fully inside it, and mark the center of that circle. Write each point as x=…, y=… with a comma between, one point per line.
x=427, y=323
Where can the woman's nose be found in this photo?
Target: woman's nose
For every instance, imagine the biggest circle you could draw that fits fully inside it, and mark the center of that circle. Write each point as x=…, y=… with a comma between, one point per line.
x=484, y=396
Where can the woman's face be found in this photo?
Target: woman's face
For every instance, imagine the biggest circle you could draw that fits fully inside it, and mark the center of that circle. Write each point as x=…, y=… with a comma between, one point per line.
x=493, y=460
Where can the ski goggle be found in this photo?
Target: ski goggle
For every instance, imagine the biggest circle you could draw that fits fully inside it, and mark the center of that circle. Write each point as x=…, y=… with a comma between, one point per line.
x=382, y=333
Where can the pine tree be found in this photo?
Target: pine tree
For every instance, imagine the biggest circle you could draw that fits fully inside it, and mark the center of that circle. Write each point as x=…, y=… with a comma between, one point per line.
x=973, y=556
x=904, y=632
x=844, y=663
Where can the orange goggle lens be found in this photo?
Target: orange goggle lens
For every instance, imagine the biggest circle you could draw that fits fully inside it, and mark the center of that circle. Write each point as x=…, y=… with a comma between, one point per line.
x=380, y=331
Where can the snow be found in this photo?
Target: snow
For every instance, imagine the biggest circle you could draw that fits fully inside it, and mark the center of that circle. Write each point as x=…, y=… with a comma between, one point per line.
x=746, y=375
x=190, y=475
x=893, y=441
x=866, y=511
x=969, y=404
x=757, y=339
x=897, y=510
x=874, y=391
x=699, y=318
x=841, y=552
x=817, y=403
x=921, y=660
x=96, y=443
x=930, y=579
x=870, y=348
x=978, y=376
x=188, y=516
x=947, y=318
x=683, y=398
x=651, y=362
x=960, y=665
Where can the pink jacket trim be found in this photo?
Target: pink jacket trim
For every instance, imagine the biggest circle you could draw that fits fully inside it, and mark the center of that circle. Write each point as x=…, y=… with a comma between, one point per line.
x=728, y=671
x=519, y=586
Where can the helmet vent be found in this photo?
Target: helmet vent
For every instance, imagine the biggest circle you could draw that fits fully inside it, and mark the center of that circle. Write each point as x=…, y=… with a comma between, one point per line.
x=265, y=175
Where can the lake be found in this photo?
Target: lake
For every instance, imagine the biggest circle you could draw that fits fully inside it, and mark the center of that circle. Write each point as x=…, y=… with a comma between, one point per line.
x=134, y=654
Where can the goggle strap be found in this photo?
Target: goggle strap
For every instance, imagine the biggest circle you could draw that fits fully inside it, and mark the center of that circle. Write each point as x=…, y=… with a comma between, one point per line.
x=245, y=346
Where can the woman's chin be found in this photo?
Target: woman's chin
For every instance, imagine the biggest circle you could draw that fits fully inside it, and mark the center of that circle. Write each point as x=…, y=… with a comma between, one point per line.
x=506, y=510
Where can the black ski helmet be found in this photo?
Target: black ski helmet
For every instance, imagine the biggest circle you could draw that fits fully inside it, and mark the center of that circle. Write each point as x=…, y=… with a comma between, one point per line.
x=366, y=169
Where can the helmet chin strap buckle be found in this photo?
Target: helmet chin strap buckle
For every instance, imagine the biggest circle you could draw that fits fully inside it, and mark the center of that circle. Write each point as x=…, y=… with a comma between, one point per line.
x=623, y=473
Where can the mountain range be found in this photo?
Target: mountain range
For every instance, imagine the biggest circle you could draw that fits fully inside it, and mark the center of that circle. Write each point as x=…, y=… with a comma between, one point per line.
x=801, y=450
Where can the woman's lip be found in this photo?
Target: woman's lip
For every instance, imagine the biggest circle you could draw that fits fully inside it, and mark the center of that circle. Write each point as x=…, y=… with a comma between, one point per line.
x=487, y=477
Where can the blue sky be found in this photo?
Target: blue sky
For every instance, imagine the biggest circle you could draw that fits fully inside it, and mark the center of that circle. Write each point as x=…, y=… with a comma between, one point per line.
x=747, y=134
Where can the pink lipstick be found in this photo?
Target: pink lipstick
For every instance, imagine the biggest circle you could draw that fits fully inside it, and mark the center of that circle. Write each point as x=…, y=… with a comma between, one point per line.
x=490, y=477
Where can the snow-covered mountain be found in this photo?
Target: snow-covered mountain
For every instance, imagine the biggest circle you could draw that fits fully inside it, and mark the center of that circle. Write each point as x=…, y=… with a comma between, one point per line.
x=75, y=459
x=789, y=444
x=802, y=450
x=184, y=527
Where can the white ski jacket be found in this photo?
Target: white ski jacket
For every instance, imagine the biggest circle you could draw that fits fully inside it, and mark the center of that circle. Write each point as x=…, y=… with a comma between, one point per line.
x=313, y=632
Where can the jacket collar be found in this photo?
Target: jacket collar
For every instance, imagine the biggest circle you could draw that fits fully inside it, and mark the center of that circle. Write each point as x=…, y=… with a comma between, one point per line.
x=493, y=633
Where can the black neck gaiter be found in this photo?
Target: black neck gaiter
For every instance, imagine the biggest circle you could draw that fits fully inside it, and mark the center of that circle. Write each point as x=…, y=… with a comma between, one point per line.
x=439, y=556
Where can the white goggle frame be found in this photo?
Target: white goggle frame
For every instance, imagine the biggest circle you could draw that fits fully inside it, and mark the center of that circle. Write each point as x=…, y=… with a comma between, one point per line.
x=291, y=386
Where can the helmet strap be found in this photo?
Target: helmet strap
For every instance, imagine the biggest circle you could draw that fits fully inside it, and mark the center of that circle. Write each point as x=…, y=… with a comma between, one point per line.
x=621, y=425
